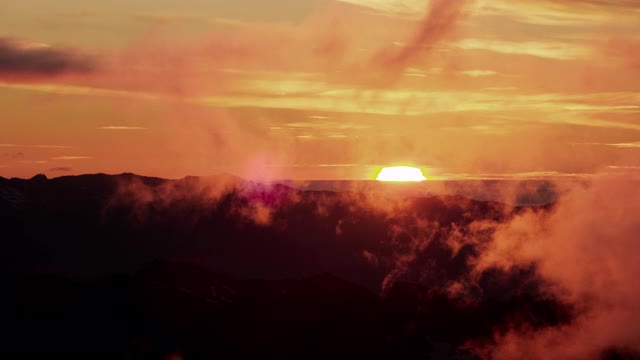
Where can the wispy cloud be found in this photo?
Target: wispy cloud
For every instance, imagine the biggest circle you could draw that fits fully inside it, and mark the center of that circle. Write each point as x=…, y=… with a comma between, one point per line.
x=167, y=17
x=540, y=13
x=122, y=128
x=60, y=169
x=533, y=175
x=624, y=167
x=410, y=8
x=37, y=146
x=626, y=145
x=327, y=125
x=568, y=14
x=320, y=165
x=594, y=122
x=547, y=107
x=441, y=19
x=50, y=146
x=71, y=157
x=34, y=161
x=479, y=73
x=82, y=90
x=549, y=50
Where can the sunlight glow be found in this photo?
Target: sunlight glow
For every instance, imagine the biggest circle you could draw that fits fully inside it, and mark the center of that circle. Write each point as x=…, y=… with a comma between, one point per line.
x=401, y=173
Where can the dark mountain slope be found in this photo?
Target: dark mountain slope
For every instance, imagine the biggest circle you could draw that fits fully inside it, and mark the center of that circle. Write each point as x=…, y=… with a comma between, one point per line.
x=123, y=266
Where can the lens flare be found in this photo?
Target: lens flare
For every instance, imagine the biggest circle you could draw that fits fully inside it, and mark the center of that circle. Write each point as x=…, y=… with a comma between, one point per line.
x=401, y=173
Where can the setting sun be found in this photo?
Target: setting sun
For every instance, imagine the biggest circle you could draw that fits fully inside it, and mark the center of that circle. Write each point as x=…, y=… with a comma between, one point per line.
x=401, y=173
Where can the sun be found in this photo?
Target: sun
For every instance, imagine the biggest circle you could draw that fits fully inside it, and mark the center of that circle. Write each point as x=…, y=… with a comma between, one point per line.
x=401, y=173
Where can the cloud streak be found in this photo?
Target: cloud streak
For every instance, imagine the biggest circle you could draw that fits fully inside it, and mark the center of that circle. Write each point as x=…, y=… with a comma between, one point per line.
x=122, y=128
x=71, y=157
x=61, y=169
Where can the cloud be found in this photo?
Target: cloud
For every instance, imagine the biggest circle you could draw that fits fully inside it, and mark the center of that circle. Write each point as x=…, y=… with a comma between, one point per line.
x=326, y=125
x=586, y=252
x=624, y=167
x=592, y=122
x=597, y=5
x=548, y=49
x=122, y=128
x=50, y=146
x=534, y=175
x=393, y=7
x=440, y=21
x=253, y=202
x=479, y=73
x=407, y=101
x=319, y=165
x=93, y=90
x=19, y=59
x=568, y=14
x=626, y=145
x=167, y=17
x=71, y=157
x=60, y=169
x=37, y=146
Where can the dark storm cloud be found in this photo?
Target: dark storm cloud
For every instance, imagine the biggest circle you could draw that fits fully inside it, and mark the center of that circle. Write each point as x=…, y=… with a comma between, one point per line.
x=25, y=59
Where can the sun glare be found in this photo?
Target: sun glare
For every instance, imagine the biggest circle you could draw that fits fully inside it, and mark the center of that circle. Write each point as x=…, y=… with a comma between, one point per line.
x=401, y=173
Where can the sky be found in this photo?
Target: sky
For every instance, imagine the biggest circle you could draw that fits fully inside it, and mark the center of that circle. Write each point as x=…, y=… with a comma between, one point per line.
x=320, y=89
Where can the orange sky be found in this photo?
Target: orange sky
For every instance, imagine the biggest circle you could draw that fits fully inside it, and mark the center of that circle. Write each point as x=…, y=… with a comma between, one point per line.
x=320, y=89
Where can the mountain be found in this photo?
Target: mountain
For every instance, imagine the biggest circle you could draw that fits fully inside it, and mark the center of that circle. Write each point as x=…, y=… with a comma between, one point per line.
x=124, y=266
x=95, y=225
x=175, y=308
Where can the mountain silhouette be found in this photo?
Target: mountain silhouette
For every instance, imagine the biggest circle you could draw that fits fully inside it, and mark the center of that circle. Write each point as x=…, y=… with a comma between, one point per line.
x=125, y=266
